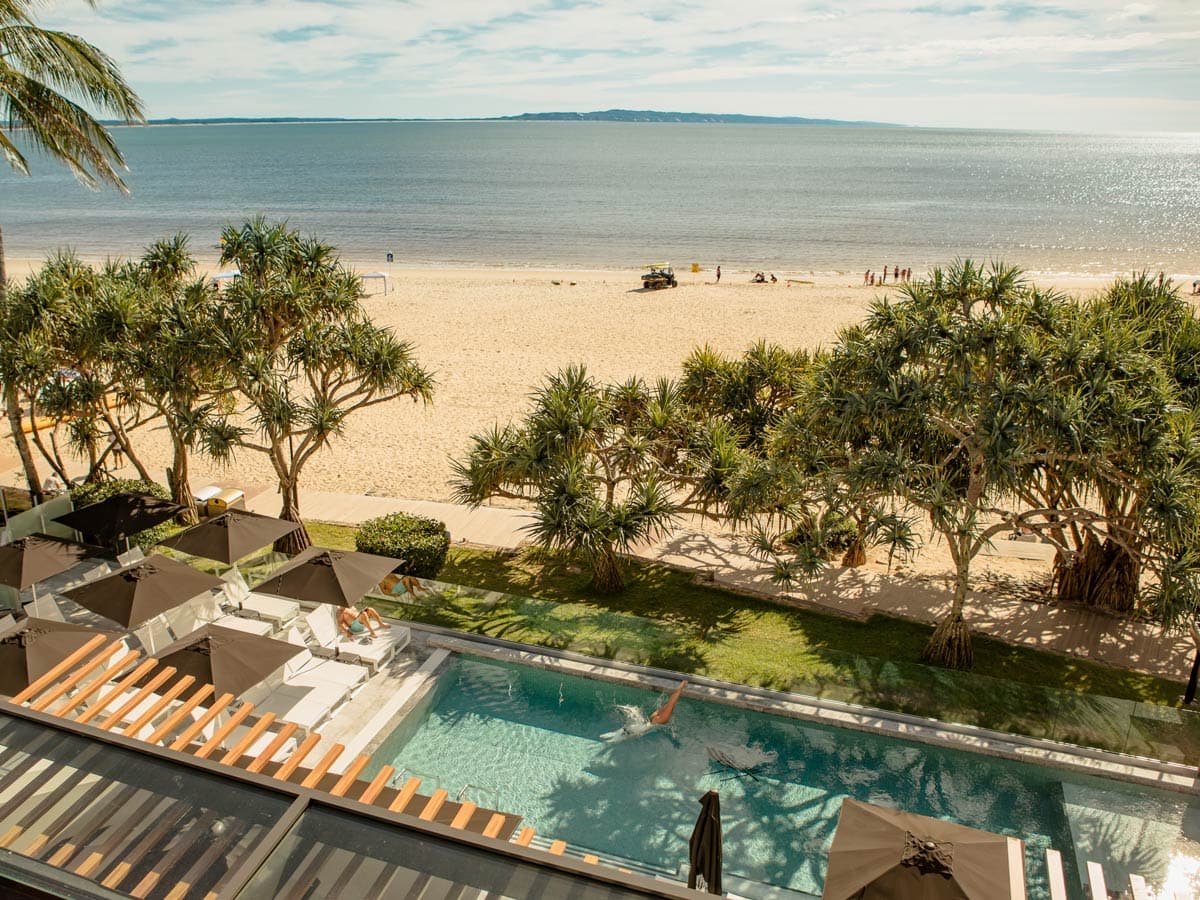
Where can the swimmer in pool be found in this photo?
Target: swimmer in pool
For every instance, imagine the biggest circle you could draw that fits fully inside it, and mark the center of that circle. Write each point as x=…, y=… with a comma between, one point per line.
x=636, y=723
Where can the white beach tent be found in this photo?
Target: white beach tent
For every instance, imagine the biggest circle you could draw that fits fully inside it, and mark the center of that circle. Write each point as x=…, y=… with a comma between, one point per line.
x=382, y=275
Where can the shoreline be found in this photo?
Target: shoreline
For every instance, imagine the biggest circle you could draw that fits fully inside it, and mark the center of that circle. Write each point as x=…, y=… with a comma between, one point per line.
x=20, y=267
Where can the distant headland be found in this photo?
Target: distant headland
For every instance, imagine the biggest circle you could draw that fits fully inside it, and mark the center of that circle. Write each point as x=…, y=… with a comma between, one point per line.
x=606, y=115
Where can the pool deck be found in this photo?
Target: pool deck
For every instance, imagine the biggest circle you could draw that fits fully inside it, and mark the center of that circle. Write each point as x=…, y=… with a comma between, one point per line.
x=1074, y=632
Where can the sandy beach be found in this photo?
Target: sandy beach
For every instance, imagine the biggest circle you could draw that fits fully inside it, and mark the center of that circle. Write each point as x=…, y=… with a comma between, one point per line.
x=490, y=335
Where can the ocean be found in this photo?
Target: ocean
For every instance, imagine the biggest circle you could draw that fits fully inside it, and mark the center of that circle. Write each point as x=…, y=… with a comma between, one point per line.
x=615, y=195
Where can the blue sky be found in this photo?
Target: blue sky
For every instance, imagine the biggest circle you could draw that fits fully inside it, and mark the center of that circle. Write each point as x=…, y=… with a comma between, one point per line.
x=1099, y=65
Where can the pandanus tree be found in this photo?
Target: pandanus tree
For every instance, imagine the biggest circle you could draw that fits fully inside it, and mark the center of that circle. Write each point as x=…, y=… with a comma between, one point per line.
x=300, y=353
x=91, y=321
x=1135, y=350
x=172, y=368
x=48, y=81
x=939, y=389
x=605, y=467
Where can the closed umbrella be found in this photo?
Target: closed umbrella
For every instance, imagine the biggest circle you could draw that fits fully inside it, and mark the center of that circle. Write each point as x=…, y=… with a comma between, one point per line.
x=119, y=516
x=138, y=593
x=319, y=575
x=885, y=854
x=230, y=536
x=35, y=558
x=704, y=848
x=231, y=661
x=35, y=646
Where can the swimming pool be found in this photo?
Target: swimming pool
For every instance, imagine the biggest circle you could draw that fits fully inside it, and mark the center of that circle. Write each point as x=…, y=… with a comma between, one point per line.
x=528, y=741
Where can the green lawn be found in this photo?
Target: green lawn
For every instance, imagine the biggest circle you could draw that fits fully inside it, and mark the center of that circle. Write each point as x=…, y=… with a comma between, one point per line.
x=665, y=619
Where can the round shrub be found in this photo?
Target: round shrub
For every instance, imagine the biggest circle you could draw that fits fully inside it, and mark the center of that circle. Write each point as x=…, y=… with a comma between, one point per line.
x=421, y=542
x=94, y=492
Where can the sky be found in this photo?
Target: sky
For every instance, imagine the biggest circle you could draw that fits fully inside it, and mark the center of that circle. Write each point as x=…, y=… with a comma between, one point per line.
x=1076, y=65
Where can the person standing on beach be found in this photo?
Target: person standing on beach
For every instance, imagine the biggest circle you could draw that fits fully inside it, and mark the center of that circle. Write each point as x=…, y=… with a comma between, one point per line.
x=866, y=275
x=718, y=274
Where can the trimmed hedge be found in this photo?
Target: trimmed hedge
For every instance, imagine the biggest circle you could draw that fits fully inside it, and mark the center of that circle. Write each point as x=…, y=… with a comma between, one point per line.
x=421, y=542
x=94, y=492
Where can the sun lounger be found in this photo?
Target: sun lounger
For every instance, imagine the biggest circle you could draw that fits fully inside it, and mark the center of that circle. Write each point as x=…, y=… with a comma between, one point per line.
x=331, y=642
x=279, y=611
x=154, y=635
x=131, y=556
x=305, y=706
x=97, y=572
x=45, y=607
x=276, y=610
x=190, y=616
x=306, y=670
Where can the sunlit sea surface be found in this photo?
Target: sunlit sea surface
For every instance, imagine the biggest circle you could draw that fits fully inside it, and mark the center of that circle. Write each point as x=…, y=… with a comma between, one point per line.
x=788, y=198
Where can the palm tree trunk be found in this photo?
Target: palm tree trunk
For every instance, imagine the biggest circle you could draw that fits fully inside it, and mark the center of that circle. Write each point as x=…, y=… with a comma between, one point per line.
x=177, y=481
x=606, y=572
x=950, y=643
x=12, y=404
x=298, y=540
x=856, y=553
x=1102, y=575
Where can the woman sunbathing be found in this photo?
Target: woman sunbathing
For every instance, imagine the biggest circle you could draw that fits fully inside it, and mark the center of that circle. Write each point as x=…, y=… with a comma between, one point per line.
x=354, y=622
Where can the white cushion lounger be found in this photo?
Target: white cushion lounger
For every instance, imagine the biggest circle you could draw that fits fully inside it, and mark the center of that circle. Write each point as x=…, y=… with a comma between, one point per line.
x=302, y=705
x=306, y=670
x=190, y=616
x=276, y=610
x=371, y=652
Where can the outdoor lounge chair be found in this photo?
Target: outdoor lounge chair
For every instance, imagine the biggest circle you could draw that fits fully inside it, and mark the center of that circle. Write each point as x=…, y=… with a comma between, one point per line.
x=307, y=670
x=190, y=616
x=371, y=652
x=304, y=706
x=131, y=556
x=276, y=610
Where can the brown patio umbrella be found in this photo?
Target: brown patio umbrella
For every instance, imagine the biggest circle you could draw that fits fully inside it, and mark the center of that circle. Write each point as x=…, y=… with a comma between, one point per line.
x=704, y=847
x=119, y=516
x=230, y=536
x=885, y=854
x=231, y=661
x=37, y=557
x=35, y=646
x=140, y=592
x=319, y=575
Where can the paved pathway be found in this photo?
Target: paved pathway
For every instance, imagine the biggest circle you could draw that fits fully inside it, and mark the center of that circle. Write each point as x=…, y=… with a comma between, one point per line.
x=851, y=592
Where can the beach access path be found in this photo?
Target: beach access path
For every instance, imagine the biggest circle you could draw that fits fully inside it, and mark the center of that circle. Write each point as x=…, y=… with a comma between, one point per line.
x=724, y=561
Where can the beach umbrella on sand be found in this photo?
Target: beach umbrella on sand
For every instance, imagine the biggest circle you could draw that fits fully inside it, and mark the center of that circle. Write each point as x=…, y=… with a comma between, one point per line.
x=231, y=661
x=704, y=848
x=119, y=516
x=885, y=854
x=320, y=575
x=230, y=536
x=28, y=560
x=138, y=593
x=35, y=646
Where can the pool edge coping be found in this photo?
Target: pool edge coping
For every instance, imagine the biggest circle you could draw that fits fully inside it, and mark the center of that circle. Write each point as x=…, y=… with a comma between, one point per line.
x=1175, y=777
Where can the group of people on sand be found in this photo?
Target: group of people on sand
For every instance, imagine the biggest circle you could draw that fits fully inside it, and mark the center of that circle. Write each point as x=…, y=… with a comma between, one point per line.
x=898, y=275
x=760, y=278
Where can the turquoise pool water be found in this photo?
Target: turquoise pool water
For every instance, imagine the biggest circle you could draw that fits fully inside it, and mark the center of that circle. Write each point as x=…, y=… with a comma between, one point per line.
x=528, y=741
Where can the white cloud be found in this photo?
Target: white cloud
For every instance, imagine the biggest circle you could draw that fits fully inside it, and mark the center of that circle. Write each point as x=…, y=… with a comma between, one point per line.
x=912, y=58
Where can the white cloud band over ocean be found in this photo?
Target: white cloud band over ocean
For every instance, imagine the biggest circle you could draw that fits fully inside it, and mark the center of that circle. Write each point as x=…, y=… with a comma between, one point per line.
x=1086, y=65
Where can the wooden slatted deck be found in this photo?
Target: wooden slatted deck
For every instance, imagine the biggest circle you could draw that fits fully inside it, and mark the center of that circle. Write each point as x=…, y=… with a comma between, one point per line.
x=105, y=686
